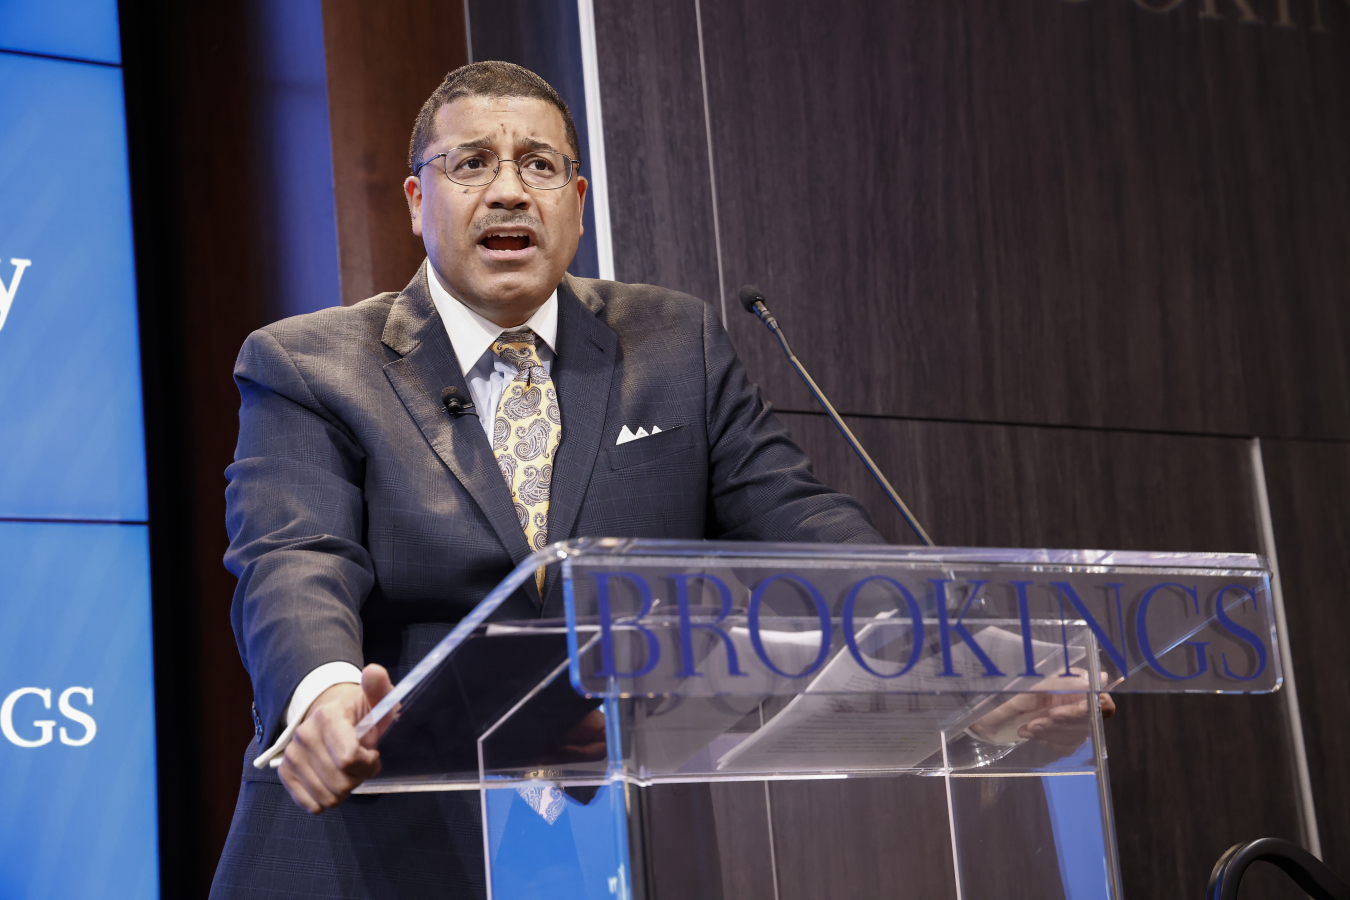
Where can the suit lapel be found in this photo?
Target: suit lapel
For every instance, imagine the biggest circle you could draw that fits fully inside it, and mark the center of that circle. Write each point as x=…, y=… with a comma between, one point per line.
x=582, y=371
x=427, y=364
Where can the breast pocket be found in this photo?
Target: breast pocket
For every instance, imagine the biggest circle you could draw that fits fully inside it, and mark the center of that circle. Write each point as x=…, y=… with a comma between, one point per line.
x=647, y=449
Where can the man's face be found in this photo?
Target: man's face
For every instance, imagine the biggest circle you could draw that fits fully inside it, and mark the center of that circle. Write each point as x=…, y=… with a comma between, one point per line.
x=500, y=248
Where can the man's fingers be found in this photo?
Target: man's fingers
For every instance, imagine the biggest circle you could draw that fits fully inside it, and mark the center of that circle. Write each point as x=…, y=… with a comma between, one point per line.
x=327, y=782
x=1068, y=711
x=331, y=784
x=346, y=753
x=1068, y=719
x=375, y=683
x=325, y=761
x=302, y=782
x=313, y=765
x=1063, y=726
x=299, y=795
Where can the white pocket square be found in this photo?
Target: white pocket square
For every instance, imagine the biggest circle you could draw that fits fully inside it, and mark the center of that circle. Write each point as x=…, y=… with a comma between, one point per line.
x=626, y=434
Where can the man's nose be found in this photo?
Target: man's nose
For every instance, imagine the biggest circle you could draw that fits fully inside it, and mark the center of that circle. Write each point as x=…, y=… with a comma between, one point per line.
x=507, y=191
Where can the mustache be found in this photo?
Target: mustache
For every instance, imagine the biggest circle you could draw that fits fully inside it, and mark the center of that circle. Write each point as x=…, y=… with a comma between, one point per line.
x=506, y=218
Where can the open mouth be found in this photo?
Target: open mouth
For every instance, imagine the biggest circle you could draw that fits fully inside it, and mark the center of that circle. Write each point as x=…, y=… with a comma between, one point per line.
x=506, y=242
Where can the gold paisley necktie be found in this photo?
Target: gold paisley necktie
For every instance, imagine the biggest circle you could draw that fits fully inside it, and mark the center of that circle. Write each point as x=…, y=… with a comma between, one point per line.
x=525, y=436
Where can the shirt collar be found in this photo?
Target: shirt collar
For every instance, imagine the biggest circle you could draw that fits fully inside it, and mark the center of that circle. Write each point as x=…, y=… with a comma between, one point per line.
x=472, y=335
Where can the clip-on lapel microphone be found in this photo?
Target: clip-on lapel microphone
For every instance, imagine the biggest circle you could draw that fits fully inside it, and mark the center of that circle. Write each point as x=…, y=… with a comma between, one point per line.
x=454, y=404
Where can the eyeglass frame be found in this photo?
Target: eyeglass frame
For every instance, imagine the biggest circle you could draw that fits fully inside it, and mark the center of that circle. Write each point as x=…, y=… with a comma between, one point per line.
x=572, y=165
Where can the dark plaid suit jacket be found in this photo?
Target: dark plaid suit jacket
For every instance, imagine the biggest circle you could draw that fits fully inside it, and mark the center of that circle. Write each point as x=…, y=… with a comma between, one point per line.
x=364, y=521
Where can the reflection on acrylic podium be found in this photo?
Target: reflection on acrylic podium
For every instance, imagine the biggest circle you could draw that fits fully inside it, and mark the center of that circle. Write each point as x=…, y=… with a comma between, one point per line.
x=757, y=720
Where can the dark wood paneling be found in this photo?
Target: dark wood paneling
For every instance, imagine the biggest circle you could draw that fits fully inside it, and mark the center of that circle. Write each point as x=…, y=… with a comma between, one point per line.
x=865, y=837
x=1191, y=776
x=384, y=60
x=680, y=849
x=1018, y=203
x=1281, y=113
x=1006, y=839
x=660, y=196
x=1022, y=203
x=1018, y=486
x=1309, y=488
x=742, y=817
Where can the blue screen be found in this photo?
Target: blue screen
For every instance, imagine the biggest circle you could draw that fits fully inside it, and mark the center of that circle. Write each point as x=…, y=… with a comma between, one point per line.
x=84, y=29
x=70, y=409
x=78, y=794
x=77, y=804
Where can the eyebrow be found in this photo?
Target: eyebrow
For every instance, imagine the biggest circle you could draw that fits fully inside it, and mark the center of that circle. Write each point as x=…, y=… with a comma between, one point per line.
x=485, y=143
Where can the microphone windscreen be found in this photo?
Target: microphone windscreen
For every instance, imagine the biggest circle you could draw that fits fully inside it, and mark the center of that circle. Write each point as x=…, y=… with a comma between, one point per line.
x=750, y=295
x=450, y=399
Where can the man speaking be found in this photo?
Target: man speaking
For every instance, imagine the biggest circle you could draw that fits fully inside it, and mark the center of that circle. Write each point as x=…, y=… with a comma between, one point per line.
x=399, y=457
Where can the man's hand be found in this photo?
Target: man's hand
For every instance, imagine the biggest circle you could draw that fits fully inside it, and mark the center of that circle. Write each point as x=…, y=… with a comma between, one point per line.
x=1059, y=721
x=325, y=761
x=585, y=741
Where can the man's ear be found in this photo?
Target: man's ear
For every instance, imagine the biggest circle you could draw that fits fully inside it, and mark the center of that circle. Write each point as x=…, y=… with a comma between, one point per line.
x=412, y=192
x=582, y=186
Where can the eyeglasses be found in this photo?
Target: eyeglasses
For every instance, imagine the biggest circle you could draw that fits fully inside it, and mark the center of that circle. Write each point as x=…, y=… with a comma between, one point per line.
x=545, y=170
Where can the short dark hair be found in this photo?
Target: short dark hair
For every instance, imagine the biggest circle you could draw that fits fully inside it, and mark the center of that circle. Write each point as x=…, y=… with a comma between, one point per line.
x=490, y=78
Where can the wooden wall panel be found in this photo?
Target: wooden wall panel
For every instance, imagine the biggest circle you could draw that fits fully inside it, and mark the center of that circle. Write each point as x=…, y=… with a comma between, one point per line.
x=1019, y=202
x=1017, y=486
x=1309, y=495
x=656, y=147
x=862, y=838
x=1174, y=761
x=384, y=60
x=1037, y=208
x=1281, y=115
x=742, y=818
x=680, y=844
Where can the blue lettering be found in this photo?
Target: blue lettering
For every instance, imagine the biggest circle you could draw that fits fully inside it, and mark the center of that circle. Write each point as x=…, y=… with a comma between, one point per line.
x=1233, y=628
x=607, y=623
x=1024, y=613
x=1117, y=655
x=915, y=618
x=822, y=610
x=1146, y=645
x=687, y=627
x=945, y=629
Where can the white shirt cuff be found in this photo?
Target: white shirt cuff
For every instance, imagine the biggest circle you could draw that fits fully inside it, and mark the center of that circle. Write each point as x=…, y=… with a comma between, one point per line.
x=309, y=689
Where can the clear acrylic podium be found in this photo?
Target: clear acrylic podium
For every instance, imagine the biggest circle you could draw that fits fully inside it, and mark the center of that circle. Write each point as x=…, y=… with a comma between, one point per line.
x=721, y=719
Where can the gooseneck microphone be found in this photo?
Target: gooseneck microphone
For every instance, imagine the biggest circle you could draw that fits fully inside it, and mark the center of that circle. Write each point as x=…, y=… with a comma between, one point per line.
x=753, y=301
x=455, y=404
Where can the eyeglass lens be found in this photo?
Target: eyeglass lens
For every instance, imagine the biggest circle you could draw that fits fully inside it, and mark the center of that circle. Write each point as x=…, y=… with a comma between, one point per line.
x=473, y=166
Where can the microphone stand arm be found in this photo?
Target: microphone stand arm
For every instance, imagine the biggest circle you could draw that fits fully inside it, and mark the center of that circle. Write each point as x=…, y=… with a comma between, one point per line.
x=762, y=311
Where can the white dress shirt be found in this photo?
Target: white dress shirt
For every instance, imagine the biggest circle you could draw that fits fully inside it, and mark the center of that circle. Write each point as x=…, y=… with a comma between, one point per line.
x=487, y=374
x=472, y=335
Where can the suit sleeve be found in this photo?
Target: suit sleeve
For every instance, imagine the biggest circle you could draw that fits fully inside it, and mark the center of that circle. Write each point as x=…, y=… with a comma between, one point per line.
x=295, y=516
x=761, y=485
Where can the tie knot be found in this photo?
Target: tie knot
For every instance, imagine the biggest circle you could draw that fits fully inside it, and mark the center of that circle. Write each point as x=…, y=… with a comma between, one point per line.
x=518, y=349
